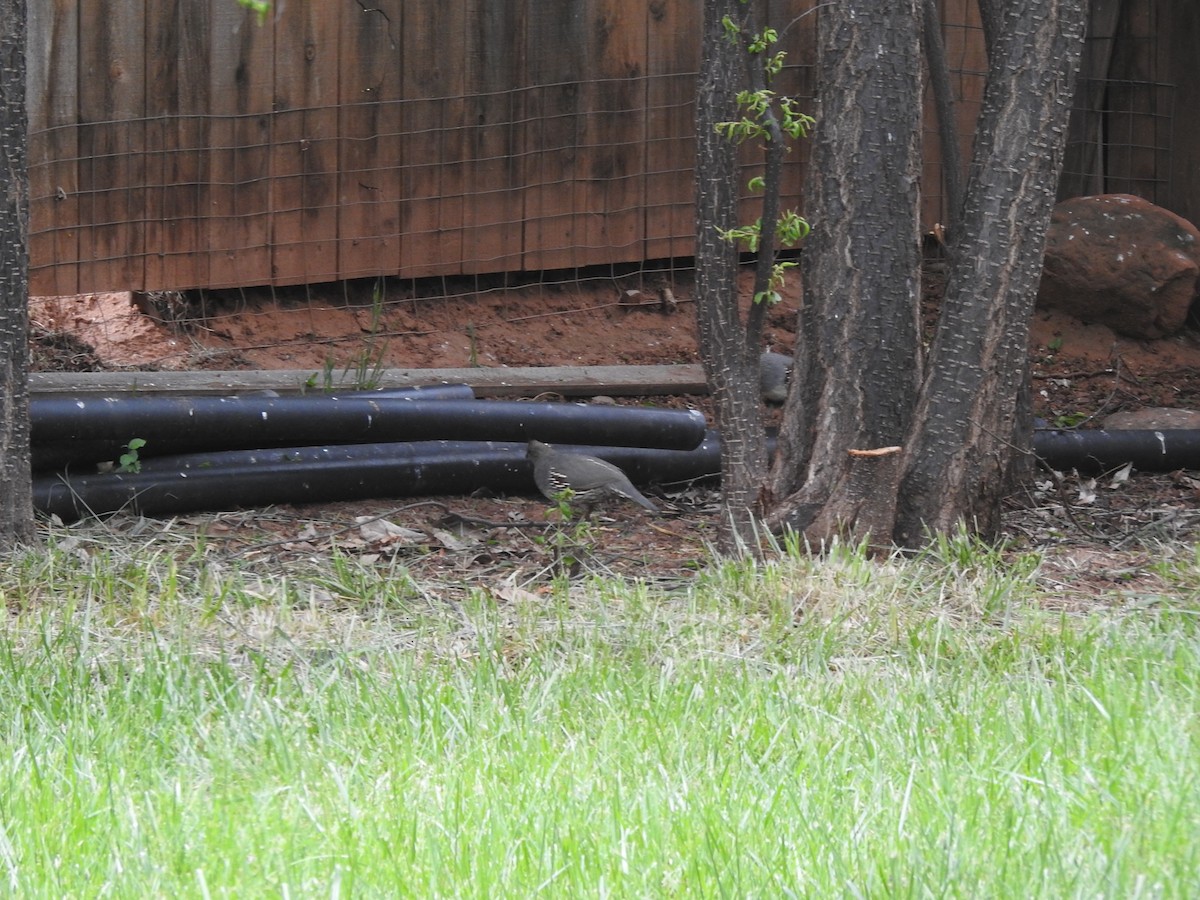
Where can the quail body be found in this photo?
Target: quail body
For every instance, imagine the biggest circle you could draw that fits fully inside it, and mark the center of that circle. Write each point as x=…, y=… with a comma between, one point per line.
x=773, y=372
x=591, y=479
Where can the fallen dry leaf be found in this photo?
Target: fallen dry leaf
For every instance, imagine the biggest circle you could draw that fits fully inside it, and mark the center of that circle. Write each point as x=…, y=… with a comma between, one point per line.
x=1087, y=491
x=514, y=594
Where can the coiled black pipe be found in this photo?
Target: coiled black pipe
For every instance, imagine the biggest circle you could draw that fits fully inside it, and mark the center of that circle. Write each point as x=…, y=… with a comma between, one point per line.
x=1093, y=451
x=247, y=478
x=242, y=478
x=172, y=425
x=60, y=454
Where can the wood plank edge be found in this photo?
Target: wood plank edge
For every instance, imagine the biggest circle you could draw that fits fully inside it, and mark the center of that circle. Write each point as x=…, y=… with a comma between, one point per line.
x=572, y=381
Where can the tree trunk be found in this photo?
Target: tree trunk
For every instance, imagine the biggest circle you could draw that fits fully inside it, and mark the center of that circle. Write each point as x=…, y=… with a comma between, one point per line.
x=966, y=437
x=991, y=12
x=729, y=348
x=16, y=493
x=858, y=349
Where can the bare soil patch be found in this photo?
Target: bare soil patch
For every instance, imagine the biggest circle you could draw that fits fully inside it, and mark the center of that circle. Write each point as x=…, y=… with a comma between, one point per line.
x=1081, y=371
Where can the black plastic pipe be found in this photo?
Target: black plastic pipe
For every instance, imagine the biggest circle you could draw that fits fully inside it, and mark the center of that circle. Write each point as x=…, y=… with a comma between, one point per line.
x=1098, y=451
x=55, y=455
x=245, y=478
x=248, y=478
x=177, y=425
x=60, y=454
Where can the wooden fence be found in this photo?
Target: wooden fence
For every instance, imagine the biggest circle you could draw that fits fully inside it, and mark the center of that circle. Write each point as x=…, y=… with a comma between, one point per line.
x=180, y=143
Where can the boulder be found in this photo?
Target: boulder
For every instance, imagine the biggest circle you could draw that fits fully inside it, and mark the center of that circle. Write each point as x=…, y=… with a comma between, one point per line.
x=1121, y=261
x=1153, y=418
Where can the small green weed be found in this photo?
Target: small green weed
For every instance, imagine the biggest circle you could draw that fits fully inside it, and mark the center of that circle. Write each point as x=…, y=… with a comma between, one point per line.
x=1070, y=420
x=367, y=366
x=130, y=461
x=473, y=342
x=571, y=537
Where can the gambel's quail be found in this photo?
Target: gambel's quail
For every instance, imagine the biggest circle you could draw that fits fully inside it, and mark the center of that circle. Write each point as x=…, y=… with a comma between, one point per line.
x=590, y=479
x=773, y=372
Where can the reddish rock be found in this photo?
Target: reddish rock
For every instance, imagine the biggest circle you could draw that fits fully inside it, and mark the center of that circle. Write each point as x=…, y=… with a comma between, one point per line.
x=1121, y=261
x=1154, y=418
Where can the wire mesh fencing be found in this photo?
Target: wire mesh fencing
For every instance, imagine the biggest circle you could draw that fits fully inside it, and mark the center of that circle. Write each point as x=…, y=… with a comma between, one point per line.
x=346, y=163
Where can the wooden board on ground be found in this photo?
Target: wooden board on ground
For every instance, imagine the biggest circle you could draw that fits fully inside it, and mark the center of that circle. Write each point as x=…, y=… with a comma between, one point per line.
x=570, y=381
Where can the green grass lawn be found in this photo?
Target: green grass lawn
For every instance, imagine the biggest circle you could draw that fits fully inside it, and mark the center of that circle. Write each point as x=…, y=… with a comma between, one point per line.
x=827, y=727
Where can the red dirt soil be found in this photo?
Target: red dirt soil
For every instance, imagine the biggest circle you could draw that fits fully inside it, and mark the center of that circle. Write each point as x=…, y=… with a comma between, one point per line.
x=1079, y=370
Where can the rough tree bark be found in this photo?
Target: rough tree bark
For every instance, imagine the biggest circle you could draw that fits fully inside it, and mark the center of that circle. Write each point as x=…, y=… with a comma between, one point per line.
x=858, y=349
x=960, y=435
x=16, y=493
x=729, y=345
x=966, y=437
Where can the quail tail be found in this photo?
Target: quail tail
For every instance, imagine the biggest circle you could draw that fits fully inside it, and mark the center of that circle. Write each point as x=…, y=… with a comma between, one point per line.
x=629, y=492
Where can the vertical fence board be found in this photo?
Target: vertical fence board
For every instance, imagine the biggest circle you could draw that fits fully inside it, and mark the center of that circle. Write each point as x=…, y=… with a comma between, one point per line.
x=1161, y=106
x=370, y=126
x=610, y=174
x=556, y=36
x=797, y=37
x=448, y=27
x=1183, y=29
x=672, y=59
x=304, y=145
x=1137, y=104
x=177, y=43
x=494, y=205
x=240, y=94
x=53, y=89
x=1083, y=168
x=433, y=126
x=796, y=21
x=112, y=173
x=966, y=57
x=181, y=144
